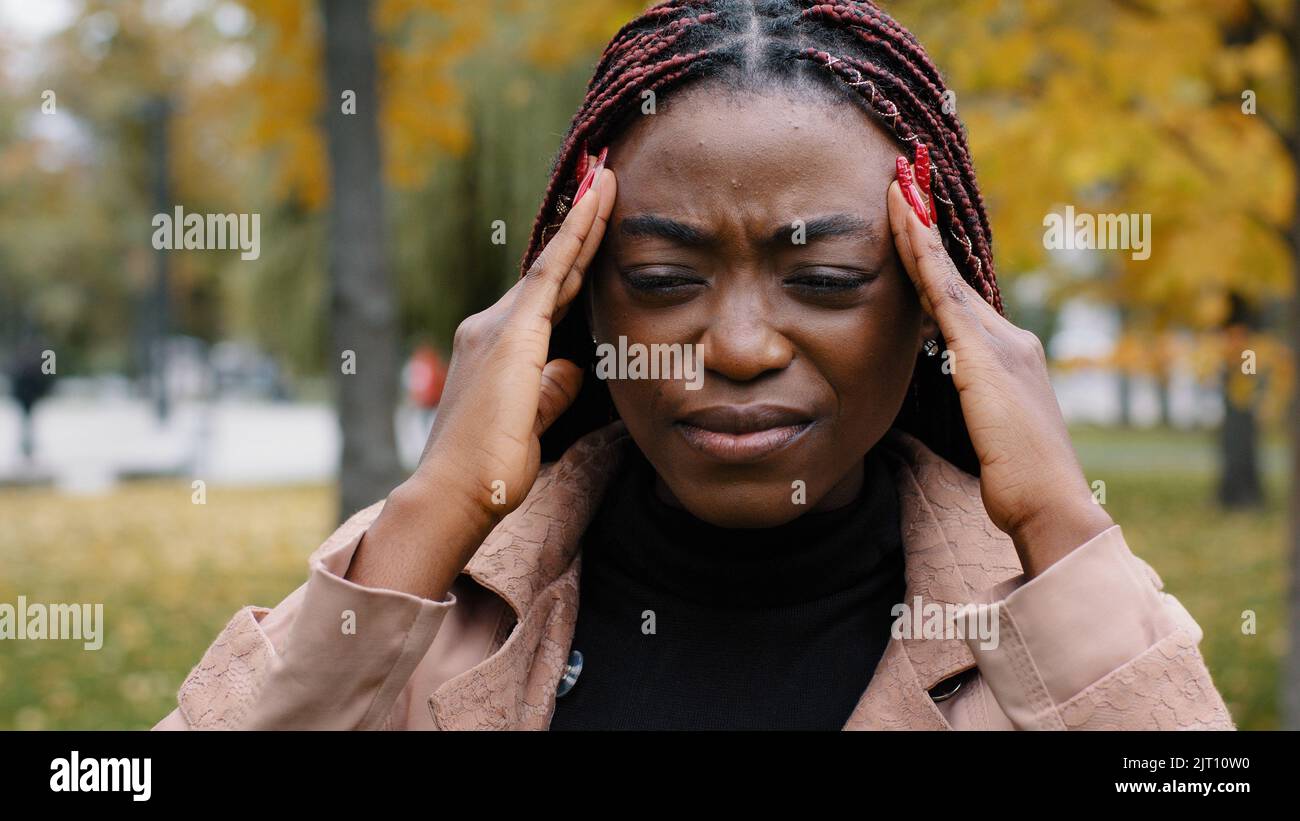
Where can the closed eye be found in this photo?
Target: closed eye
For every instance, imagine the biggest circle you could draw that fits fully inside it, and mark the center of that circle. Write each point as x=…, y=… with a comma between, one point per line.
x=829, y=280
x=660, y=280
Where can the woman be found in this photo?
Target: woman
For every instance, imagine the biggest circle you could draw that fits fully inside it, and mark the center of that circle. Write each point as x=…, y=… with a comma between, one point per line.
x=866, y=511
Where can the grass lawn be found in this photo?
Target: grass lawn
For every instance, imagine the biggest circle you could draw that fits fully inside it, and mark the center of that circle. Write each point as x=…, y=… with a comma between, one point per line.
x=171, y=573
x=1160, y=490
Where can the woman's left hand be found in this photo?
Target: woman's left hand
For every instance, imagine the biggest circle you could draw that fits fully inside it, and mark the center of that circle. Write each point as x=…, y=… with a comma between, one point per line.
x=1030, y=479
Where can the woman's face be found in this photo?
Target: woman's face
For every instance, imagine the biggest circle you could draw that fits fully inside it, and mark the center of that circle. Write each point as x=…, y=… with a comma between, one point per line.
x=755, y=227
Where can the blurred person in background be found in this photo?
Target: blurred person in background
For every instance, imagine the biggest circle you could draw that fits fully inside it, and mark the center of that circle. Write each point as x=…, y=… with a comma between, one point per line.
x=30, y=380
x=426, y=374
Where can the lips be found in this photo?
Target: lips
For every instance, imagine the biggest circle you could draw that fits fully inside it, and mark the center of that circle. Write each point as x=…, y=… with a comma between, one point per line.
x=742, y=433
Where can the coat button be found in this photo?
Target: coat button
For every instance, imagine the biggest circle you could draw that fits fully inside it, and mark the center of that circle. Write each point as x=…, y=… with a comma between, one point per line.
x=571, y=673
x=947, y=688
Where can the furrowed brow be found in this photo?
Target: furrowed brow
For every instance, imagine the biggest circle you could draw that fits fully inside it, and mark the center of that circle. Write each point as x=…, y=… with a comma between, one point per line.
x=654, y=225
x=831, y=225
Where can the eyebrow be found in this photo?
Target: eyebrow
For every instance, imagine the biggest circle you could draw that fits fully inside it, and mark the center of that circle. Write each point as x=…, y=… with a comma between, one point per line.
x=830, y=225
x=654, y=225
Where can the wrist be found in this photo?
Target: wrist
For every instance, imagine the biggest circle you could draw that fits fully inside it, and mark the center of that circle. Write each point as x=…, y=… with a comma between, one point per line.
x=434, y=497
x=426, y=533
x=1057, y=530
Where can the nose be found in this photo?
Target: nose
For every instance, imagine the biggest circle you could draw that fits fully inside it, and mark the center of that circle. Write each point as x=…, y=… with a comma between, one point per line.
x=741, y=344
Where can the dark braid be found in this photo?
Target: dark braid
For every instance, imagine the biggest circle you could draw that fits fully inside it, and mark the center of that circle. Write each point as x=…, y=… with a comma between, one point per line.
x=849, y=48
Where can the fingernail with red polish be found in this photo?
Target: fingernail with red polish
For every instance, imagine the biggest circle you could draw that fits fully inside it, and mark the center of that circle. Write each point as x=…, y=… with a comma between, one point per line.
x=918, y=205
x=910, y=192
x=586, y=184
x=904, y=172
x=588, y=180
x=923, y=174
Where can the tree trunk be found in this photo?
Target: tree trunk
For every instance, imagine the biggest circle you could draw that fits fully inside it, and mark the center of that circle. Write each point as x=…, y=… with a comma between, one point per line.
x=1165, y=396
x=1239, y=482
x=1125, y=383
x=158, y=112
x=1125, y=399
x=482, y=270
x=1165, y=387
x=363, y=317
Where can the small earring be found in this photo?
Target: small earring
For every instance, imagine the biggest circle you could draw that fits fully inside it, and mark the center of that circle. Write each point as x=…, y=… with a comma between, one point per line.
x=593, y=339
x=931, y=347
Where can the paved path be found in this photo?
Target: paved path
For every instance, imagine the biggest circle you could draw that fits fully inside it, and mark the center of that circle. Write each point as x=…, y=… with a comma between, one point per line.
x=87, y=444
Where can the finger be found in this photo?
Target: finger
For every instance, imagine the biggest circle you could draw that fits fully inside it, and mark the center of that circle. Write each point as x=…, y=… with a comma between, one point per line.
x=945, y=294
x=561, y=380
x=573, y=280
x=578, y=239
x=933, y=249
x=561, y=304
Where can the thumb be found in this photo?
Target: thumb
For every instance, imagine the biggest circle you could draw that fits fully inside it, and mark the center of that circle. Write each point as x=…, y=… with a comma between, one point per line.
x=561, y=380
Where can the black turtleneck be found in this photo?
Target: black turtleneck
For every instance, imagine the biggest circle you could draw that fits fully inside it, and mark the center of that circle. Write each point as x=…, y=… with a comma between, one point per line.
x=685, y=625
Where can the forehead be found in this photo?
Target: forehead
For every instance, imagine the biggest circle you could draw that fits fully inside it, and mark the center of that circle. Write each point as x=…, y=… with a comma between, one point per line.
x=712, y=155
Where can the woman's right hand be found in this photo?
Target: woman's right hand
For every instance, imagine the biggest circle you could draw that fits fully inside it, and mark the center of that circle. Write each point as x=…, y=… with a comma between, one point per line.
x=501, y=392
x=484, y=451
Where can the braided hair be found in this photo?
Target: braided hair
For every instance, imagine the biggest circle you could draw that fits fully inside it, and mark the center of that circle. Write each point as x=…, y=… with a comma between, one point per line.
x=848, y=48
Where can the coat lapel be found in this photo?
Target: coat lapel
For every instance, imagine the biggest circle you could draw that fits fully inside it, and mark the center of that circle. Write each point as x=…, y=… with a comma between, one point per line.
x=531, y=560
x=952, y=554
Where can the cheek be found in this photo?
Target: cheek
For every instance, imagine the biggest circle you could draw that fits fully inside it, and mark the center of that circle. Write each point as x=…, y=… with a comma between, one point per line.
x=868, y=355
x=613, y=315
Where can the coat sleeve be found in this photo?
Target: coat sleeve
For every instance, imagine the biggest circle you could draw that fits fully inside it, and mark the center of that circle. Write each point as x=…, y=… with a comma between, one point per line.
x=333, y=655
x=1094, y=642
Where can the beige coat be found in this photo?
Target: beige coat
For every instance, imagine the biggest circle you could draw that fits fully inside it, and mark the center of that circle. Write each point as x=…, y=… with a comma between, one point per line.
x=1092, y=643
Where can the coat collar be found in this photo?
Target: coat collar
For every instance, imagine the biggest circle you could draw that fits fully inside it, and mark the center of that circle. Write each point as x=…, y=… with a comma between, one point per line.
x=952, y=553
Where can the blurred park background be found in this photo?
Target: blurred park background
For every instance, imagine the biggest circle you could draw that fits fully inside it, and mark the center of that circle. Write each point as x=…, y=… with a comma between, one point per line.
x=175, y=368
